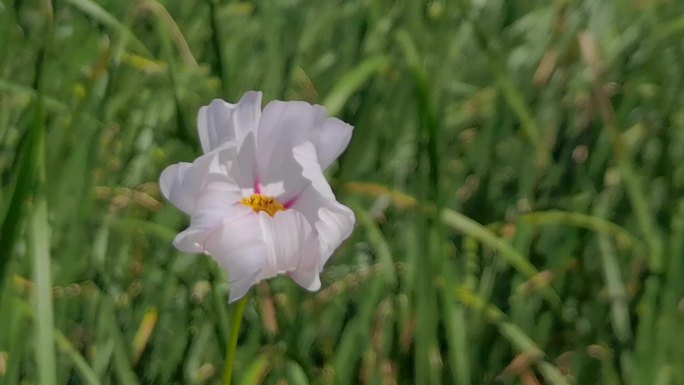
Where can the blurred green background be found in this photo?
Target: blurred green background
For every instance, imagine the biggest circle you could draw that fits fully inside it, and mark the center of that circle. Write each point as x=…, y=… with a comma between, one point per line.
x=517, y=172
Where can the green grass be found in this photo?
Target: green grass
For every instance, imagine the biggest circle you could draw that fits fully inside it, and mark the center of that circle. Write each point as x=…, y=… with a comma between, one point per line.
x=517, y=172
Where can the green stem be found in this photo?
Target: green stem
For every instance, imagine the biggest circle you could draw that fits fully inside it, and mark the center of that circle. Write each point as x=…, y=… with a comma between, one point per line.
x=232, y=340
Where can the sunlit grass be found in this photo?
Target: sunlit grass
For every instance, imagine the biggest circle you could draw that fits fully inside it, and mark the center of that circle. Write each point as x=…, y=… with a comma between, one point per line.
x=517, y=173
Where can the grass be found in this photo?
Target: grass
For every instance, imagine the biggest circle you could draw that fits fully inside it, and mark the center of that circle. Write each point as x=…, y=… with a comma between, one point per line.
x=517, y=172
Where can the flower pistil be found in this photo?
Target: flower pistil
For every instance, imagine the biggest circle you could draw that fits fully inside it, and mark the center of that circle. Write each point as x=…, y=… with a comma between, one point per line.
x=259, y=202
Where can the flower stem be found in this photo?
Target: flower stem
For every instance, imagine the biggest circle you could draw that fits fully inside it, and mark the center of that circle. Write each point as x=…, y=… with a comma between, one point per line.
x=232, y=340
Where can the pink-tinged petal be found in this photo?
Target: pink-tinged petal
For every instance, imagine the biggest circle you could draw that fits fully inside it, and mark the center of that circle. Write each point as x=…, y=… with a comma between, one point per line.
x=331, y=139
x=335, y=224
x=247, y=114
x=306, y=156
x=221, y=123
x=170, y=184
x=243, y=170
x=217, y=204
x=292, y=248
x=239, y=249
x=332, y=221
x=308, y=279
x=292, y=182
x=182, y=183
x=285, y=125
x=191, y=240
x=219, y=193
x=310, y=262
x=204, y=223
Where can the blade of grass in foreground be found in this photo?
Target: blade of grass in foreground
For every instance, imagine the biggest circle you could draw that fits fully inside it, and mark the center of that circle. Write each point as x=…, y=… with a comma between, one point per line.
x=39, y=248
x=39, y=228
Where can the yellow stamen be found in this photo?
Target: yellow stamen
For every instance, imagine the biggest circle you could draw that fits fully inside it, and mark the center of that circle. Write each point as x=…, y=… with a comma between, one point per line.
x=258, y=202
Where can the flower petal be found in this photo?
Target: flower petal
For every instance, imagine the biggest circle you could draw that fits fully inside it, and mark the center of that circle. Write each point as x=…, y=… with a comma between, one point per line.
x=285, y=125
x=292, y=247
x=243, y=170
x=238, y=247
x=221, y=123
x=170, y=184
x=309, y=279
x=217, y=202
x=331, y=139
x=181, y=183
x=191, y=240
x=332, y=221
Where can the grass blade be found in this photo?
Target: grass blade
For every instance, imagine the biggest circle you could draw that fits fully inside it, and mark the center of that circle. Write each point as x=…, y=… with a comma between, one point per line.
x=351, y=81
x=39, y=246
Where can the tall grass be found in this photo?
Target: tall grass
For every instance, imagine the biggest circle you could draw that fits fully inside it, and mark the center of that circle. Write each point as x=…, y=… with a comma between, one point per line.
x=517, y=172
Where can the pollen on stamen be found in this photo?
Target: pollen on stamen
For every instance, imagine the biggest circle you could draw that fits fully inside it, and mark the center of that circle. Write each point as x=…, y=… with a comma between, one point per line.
x=258, y=202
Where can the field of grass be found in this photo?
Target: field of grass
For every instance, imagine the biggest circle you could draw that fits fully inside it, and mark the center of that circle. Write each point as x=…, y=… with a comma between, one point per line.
x=517, y=174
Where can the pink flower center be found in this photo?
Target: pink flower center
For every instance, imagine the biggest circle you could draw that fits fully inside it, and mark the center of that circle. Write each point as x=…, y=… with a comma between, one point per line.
x=258, y=202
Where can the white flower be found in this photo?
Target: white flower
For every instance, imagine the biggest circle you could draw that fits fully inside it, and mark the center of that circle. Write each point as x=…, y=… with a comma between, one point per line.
x=258, y=201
